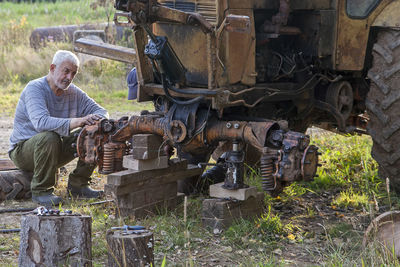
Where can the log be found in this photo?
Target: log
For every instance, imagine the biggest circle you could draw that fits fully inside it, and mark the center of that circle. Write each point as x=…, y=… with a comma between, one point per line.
x=55, y=241
x=132, y=249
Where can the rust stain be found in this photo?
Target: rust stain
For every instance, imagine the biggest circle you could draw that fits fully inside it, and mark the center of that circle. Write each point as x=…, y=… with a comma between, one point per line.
x=352, y=37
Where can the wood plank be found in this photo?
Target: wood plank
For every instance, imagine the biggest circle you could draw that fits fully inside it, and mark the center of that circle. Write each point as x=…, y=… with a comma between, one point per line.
x=166, y=177
x=7, y=164
x=105, y=50
x=147, y=153
x=147, y=196
x=217, y=191
x=131, y=176
x=131, y=163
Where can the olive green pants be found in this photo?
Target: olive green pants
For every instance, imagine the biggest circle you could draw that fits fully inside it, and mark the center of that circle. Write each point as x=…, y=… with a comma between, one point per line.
x=43, y=154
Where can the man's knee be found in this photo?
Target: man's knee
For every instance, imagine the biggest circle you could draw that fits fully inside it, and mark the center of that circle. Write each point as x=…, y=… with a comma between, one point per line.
x=49, y=140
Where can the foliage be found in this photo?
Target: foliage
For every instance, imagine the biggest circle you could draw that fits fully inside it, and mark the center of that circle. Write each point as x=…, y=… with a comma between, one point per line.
x=350, y=198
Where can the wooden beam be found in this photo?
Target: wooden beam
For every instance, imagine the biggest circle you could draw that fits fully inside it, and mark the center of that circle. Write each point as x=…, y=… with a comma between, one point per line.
x=100, y=49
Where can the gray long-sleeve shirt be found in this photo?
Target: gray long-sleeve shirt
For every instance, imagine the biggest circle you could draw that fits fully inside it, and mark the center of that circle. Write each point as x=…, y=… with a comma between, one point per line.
x=39, y=110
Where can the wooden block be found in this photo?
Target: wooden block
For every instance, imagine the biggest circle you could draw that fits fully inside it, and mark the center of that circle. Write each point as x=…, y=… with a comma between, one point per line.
x=139, y=182
x=145, y=164
x=151, y=141
x=55, y=241
x=220, y=213
x=147, y=153
x=135, y=250
x=217, y=191
x=223, y=209
x=132, y=176
x=147, y=196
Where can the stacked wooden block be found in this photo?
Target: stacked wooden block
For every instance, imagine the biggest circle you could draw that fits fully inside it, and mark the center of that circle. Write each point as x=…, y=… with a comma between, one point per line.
x=220, y=213
x=149, y=184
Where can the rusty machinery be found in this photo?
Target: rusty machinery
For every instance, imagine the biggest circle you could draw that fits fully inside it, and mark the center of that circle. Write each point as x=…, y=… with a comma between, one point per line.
x=209, y=64
x=286, y=156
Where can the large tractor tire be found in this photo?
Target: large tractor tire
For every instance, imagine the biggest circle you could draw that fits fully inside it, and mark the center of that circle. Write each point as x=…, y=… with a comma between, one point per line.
x=383, y=105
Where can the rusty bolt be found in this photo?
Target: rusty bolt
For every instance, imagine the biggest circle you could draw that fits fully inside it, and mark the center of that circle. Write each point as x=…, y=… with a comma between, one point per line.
x=228, y=125
x=236, y=126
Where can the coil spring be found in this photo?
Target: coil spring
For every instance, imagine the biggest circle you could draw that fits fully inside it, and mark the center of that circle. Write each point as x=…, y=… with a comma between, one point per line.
x=108, y=159
x=267, y=173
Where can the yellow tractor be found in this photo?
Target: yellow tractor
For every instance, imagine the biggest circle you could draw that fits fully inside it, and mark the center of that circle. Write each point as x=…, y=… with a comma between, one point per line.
x=265, y=69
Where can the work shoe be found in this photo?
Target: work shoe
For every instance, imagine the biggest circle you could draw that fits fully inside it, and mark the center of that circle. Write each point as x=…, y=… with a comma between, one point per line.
x=83, y=192
x=47, y=200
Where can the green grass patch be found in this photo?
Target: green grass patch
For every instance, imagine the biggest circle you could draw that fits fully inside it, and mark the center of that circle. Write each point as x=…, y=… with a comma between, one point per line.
x=41, y=14
x=346, y=160
x=351, y=198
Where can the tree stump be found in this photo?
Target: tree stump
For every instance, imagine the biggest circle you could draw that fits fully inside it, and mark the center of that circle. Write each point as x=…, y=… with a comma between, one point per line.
x=55, y=241
x=130, y=250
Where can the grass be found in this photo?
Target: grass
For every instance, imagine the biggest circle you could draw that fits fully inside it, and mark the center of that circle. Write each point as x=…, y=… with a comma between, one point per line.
x=295, y=223
x=269, y=240
x=41, y=14
x=103, y=80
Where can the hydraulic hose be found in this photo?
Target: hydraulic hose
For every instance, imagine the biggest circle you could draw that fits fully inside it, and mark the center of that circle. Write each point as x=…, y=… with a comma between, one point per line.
x=179, y=102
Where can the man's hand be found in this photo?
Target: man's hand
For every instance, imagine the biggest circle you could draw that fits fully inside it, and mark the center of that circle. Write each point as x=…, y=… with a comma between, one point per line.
x=87, y=120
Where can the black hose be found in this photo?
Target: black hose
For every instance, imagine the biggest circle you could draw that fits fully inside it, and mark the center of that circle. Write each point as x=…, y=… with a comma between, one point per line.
x=178, y=102
x=16, y=210
x=6, y=231
x=193, y=91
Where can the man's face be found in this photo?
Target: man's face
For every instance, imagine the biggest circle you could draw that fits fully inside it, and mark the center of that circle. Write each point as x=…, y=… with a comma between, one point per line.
x=63, y=74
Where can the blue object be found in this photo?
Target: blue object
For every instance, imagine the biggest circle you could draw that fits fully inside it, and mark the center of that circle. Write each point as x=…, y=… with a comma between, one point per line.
x=131, y=79
x=128, y=227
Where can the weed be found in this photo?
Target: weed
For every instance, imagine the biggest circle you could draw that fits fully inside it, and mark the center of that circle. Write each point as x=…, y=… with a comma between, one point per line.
x=350, y=198
x=270, y=225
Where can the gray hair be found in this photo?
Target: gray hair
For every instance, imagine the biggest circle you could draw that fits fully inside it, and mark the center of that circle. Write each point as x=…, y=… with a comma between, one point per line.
x=63, y=55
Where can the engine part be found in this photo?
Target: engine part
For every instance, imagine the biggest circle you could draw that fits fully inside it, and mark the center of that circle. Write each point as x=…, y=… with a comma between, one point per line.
x=268, y=170
x=234, y=162
x=340, y=96
x=94, y=146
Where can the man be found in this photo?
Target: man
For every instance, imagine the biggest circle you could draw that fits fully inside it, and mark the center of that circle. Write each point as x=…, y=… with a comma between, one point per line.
x=48, y=110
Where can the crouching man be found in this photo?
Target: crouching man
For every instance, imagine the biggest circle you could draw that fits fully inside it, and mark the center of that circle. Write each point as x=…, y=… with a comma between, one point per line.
x=48, y=109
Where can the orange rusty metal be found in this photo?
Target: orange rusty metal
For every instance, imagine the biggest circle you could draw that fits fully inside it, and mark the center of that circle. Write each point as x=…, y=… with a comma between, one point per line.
x=352, y=37
x=141, y=125
x=88, y=143
x=254, y=133
x=143, y=66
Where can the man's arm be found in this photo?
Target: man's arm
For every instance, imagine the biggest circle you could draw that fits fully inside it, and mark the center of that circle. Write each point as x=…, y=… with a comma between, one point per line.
x=39, y=114
x=89, y=106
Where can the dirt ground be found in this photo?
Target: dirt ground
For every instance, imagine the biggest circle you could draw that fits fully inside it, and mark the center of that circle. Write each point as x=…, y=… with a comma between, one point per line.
x=312, y=214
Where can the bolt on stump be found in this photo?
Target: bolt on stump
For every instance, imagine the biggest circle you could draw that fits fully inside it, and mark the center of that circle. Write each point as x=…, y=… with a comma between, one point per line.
x=55, y=241
x=129, y=248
